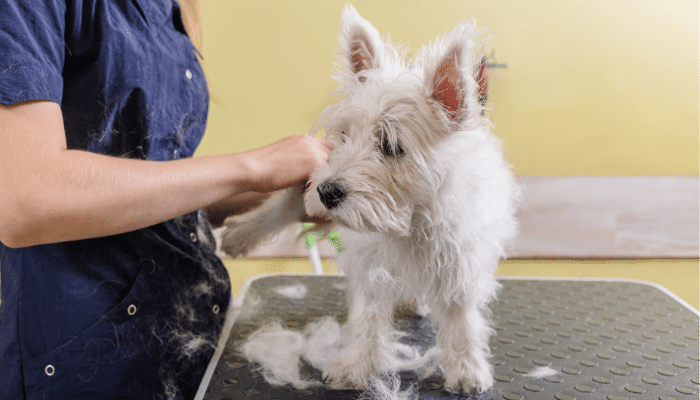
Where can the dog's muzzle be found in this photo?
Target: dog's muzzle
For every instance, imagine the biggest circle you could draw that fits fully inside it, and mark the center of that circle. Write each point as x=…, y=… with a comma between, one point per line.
x=330, y=194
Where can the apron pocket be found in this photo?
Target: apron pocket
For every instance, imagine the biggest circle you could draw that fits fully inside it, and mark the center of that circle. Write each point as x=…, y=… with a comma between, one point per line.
x=113, y=359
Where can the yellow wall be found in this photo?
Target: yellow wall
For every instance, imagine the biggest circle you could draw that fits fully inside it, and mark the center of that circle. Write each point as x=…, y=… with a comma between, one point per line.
x=600, y=87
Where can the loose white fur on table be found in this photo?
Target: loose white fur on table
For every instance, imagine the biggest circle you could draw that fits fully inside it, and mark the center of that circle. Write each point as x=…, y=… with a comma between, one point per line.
x=542, y=372
x=279, y=354
x=292, y=291
x=420, y=192
x=278, y=351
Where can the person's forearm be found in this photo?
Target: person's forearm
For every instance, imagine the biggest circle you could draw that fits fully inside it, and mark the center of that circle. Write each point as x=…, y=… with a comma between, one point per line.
x=51, y=194
x=83, y=195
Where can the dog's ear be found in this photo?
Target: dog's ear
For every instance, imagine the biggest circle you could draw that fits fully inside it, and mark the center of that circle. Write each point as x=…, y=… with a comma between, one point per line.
x=449, y=71
x=360, y=42
x=448, y=84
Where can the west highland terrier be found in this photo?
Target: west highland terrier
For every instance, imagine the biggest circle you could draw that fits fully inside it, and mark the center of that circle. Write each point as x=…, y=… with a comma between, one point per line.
x=421, y=193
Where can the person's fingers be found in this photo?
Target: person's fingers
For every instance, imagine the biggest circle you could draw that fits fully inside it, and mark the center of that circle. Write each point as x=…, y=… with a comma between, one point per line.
x=328, y=143
x=321, y=148
x=289, y=161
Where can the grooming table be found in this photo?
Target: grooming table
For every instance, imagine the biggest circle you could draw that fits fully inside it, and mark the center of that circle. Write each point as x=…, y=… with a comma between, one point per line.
x=606, y=339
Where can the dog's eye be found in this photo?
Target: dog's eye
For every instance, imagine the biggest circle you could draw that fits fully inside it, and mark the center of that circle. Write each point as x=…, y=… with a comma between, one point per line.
x=341, y=135
x=389, y=149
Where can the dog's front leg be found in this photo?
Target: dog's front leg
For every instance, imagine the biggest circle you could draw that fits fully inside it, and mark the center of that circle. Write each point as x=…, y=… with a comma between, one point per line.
x=463, y=334
x=366, y=337
x=244, y=232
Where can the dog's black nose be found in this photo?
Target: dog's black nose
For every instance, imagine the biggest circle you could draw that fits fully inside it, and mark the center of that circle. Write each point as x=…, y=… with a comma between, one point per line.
x=330, y=194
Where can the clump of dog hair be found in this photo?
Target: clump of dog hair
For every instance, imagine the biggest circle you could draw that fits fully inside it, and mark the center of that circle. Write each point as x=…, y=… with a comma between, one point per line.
x=541, y=372
x=279, y=354
x=388, y=387
x=170, y=392
x=279, y=351
x=184, y=330
x=292, y=291
x=323, y=341
x=411, y=359
x=193, y=344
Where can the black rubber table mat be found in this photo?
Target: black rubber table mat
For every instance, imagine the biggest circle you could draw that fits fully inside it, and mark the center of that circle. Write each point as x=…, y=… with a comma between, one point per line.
x=606, y=340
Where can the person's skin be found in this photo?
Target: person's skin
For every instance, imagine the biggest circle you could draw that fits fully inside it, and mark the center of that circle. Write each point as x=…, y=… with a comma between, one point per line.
x=51, y=194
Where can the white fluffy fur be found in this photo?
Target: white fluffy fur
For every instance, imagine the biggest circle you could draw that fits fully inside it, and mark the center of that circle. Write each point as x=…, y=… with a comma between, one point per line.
x=279, y=353
x=428, y=223
x=542, y=372
x=292, y=291
x=388, y=388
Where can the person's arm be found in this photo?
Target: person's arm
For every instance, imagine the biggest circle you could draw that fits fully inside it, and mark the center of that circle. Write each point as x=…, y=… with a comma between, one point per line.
x=51, y=194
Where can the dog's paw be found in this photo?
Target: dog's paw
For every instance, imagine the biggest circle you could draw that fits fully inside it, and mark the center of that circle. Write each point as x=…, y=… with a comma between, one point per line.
x=347, y=372
x=236, y=239
x=467, y=374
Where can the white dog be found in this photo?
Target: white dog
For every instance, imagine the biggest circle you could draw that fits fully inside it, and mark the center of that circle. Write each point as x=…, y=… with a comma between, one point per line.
x=425, y=201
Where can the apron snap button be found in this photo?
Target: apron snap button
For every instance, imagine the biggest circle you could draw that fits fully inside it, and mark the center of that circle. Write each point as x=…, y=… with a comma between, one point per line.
x=131, y=310
x=50, y=370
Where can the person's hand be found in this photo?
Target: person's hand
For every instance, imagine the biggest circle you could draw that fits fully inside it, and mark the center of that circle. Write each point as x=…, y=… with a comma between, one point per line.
x=287, y=162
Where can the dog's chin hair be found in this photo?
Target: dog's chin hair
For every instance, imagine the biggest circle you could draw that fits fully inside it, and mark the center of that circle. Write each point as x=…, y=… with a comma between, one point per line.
x=363, y=213
x=373, y=220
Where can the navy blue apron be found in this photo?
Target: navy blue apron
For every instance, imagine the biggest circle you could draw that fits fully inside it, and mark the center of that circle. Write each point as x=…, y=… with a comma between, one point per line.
x=131, y=316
